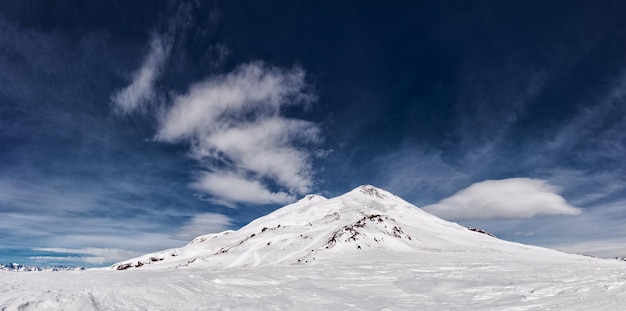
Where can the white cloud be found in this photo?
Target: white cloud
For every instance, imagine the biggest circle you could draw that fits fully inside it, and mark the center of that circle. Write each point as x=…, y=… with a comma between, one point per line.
x=234, y=125
x=230, y=187
x=96, y=256
x=74, y=260
x=141, y=90
x=265, y=148
x=251, y=91
x=507, y=198
x=203, y=224
x=418, y=175
x=605, y=248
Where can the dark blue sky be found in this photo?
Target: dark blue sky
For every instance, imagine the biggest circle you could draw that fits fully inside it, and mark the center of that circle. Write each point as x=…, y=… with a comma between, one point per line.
x=132, y=127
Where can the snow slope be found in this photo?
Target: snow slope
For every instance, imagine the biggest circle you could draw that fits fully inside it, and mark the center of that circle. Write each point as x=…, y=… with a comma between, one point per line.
x=365, y=250
x=366, y=220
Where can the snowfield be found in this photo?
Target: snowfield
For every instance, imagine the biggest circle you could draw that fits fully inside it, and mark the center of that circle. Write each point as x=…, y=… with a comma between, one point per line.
x=428, y=281
x=365, y=250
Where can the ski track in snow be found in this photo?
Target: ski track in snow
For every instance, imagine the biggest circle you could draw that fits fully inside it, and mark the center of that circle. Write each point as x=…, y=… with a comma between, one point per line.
x=432, y=281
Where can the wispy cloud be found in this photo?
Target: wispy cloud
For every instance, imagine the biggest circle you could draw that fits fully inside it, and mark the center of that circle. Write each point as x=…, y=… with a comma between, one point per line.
x=96, y=256
x=142, y=91
x=236, y=130
x=230, y=187
x=80, y=231
x=585, y=154
x=79, y=215
x=421, y=176
x=233, y=123
x=203, y=224
x=507, y=198
x=604, y=247
x=601, y=126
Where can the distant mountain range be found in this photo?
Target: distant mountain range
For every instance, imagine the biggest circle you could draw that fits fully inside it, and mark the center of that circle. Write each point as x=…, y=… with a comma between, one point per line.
x=23, y=268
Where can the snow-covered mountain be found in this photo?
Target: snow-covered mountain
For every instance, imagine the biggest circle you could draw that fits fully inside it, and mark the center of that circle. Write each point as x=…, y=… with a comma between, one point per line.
x=364, y=250
x=363, y=222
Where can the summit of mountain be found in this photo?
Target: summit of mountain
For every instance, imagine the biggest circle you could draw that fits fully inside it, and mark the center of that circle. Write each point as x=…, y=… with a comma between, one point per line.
x=367, y=221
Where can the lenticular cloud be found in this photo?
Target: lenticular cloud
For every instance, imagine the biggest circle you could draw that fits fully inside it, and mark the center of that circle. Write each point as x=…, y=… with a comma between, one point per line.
x=507, y=198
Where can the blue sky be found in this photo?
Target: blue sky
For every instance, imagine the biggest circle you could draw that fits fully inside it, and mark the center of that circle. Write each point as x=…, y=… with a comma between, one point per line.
x=130, y=127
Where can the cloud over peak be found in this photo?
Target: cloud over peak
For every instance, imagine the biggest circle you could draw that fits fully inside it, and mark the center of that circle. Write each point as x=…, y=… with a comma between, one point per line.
x=234, y=126
x=202, y=224
x=236, y=131
x=230, y=187
x=506, y=198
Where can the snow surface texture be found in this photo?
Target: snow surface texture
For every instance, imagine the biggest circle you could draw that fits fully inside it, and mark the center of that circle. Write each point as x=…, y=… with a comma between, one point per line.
x=364, y=250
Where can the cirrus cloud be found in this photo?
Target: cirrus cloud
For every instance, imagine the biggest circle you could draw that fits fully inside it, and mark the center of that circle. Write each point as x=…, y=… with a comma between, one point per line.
x=91, y=255
x=506, y=198
x=141, y=91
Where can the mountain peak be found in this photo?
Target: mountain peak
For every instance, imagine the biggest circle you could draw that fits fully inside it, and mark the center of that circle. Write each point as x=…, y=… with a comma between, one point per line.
x=312, y=198
x=366, y=219
x=373, y=191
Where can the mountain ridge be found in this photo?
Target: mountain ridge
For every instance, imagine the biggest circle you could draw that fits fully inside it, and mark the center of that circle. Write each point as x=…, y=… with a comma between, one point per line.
x=365, y=220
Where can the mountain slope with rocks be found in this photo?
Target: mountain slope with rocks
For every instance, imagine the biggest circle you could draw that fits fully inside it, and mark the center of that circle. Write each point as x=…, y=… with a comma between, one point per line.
x=361, y=222
x=364, y=250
